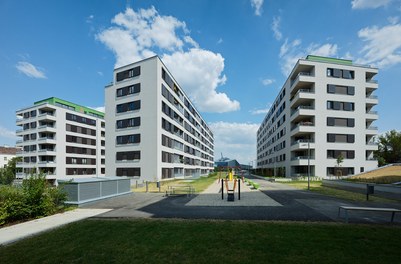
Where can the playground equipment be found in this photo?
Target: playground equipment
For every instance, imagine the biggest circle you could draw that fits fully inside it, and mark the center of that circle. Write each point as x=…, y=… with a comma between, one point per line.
x=230, y=187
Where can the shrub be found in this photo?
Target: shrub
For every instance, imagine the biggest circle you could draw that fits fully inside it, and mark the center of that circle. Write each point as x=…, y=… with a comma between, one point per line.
x=35, y=198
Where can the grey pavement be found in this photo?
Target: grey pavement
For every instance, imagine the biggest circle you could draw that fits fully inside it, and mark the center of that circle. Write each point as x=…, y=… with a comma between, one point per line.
x=17, y=232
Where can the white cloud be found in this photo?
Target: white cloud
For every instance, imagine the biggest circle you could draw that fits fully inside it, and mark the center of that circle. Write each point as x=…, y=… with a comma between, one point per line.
x=99, y=108
x=382, y=45
x=276, y=28
x=30, y=70
x=100, y=73
x=140, y=34
x=291, y=52
x=257, y=4
x=220, y=41
x=268, y=81
x=260, y=111
x=200, y=72
x=4, y=132
x=235, y=140
x=366, y=4
x=89, y=19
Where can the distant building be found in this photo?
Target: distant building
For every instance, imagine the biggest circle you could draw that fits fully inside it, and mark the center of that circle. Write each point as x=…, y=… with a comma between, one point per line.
x=227, y=163
x=60, y=139
x=6, y=154
x=325, y=109
x=154, y=132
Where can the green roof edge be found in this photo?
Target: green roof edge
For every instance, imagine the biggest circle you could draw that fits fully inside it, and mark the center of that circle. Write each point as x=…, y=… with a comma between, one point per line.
x=77, y=108
x=329, y=60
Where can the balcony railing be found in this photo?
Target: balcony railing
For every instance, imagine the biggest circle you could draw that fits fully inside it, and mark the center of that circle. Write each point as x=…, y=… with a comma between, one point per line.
x=372, y=97
x=372, y=128
x=302, y=141
x=303, y=158
x=371, y=81
x=307, y=107
x=372, y=112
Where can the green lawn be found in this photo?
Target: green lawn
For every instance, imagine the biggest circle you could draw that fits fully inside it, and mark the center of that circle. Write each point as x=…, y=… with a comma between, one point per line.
x=316, y=186
x=197, y=241
x=199, y=184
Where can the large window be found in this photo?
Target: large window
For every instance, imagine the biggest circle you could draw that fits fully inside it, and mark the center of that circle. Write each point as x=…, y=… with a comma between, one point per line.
x=342, y=106
x=132, y=89
x=130, y=106
x=128, y=74
x=341, y=138
x=342, y=122
x=130, y=122
x=84, y=151
x=128, y=139
x=81, y=130
x=339, y=89
x=128, y=155
x=334, y=153
x=339, y=73
x=129, y=172
x=80, y=119
x=80, y=140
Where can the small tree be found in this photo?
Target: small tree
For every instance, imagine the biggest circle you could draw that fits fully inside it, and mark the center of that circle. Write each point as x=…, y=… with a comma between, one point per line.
x=389, y=148
x=339, y=160
x=7, y=174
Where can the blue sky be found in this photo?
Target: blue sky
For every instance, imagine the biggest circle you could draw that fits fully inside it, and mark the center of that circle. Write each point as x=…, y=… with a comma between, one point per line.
x=230, y=56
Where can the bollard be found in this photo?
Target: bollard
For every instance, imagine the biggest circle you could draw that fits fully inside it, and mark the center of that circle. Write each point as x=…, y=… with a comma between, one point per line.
x=370, y=189
x=147, y=187
x=136, y=184
x=159, y=186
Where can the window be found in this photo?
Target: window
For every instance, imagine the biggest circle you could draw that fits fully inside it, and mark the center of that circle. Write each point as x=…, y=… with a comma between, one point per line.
x=347, y=154
x=130, y=106
x=128, y=139
x=339, y=89
x=342, y=122
x=128, y=74
x=80, y=119
x=342, y=106
x=132, y=89
x=338, y=73
x=341, y=138
x=128, y=155
x=129, y=172
x=130, y=122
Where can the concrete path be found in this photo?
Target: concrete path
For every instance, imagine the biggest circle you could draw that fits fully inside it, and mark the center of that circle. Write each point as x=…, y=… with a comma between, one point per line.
x=17, y=232
x=212, y=197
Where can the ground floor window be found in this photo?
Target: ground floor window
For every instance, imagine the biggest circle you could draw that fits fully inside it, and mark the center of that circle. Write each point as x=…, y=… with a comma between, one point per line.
x=129, y=172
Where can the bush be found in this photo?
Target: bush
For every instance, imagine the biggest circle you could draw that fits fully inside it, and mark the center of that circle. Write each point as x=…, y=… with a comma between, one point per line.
x=35, y=198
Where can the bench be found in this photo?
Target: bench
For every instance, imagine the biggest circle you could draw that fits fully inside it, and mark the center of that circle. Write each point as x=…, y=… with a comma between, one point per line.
x=171, y=190
x=373, y=209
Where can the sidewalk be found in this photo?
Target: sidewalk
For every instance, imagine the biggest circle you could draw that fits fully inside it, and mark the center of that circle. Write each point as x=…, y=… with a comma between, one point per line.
x=212, y=197
x=17, y=232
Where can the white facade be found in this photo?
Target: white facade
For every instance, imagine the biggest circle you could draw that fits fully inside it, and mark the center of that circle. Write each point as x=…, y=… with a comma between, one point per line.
x=325, y=108
x=153, y=130
x=6, y=154
x=61, y=139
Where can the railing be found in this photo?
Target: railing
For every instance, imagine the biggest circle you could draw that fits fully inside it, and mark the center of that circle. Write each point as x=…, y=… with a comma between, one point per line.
x=371, y=81
x=302, y=124
x=372, y=112
x=372, y=143
x=307, y=107
x=303, y=158
x=372, y=128
x=299, y=74
x=372, y=97
x=302, y=141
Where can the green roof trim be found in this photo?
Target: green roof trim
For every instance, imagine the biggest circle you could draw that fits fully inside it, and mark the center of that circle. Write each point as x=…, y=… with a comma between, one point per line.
x=75, y=107
x=329, y=60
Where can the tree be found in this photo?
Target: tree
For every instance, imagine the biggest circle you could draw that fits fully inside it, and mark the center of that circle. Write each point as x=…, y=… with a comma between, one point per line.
x=7, y=174
x=389, y=149
x=339, y=160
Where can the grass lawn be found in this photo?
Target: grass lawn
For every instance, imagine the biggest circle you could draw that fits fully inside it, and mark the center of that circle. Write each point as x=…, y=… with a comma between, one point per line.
x=199, y=184
x=316, y=186
x=183, y=241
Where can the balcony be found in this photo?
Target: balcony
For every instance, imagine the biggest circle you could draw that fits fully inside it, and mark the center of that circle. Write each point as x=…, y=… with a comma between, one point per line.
x=302, y=80
x=46, y=128
x=302, y=144
x=300, y=110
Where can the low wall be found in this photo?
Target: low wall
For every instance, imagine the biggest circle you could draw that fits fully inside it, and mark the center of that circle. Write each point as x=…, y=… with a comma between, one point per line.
x=84, y=190
x=381, y=190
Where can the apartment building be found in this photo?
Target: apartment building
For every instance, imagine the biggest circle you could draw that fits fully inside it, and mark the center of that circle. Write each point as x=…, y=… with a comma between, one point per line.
x=60, y=139
x=153, y=130
x=325, y=110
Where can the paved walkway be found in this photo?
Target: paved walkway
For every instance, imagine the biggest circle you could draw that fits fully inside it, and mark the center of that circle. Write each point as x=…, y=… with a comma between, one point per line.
x=212, y=197
x=17, y=232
